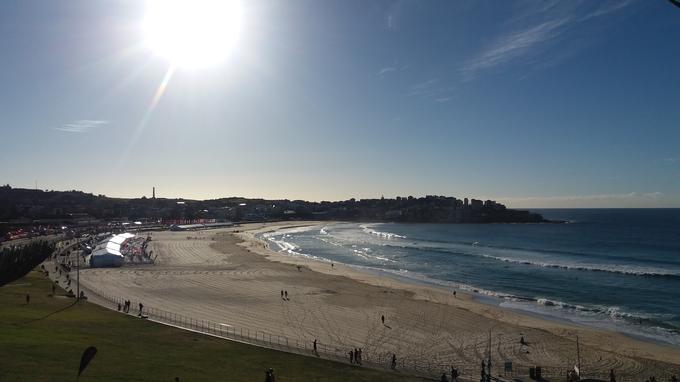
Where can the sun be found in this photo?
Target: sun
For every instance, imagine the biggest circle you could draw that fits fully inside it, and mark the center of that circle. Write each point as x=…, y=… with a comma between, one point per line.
x=192, y=33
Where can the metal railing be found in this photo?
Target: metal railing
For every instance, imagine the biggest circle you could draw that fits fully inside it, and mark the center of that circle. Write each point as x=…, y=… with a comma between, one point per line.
x=381, y=360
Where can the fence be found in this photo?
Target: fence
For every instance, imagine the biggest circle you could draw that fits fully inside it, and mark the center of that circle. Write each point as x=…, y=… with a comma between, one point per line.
x=404, y=364
x=408, y=365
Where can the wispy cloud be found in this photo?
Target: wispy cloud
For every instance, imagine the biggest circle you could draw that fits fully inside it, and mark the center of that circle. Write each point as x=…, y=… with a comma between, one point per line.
x=535, y=31
x=672, y=160
x=81, y=126
x=594, y=197
x=595, y=200
x=386, y=70
x=434, y=89
x=607, y=8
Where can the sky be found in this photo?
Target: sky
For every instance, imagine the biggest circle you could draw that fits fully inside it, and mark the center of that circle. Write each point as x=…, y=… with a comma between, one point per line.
x=531, y=103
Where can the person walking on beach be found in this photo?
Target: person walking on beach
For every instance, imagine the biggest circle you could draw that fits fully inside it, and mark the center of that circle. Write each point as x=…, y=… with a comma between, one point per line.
x=454, y=374
x=281, y=294
x=359, y=356
x=612, y=377
x=315, y=345
x=351, y=356
x=141, y=308
x=394, y=361
x=285, y=292
x=383, y=319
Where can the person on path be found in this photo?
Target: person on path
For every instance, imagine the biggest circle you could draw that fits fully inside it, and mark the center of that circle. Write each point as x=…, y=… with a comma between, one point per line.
x=269, y=376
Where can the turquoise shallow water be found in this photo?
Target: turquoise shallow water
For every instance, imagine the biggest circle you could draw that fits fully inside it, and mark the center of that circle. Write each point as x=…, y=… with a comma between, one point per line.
x=616, y=269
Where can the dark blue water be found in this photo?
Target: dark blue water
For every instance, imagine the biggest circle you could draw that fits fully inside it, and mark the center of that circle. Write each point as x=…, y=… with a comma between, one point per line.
x=612, y=268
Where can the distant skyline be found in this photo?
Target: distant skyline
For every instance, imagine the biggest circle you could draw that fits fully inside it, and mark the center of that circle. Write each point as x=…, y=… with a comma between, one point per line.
x=530, y=103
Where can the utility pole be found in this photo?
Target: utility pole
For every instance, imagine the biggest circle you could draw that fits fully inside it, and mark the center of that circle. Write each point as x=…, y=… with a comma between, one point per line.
x=578, y=357
x=78, y=272
x=488, y=362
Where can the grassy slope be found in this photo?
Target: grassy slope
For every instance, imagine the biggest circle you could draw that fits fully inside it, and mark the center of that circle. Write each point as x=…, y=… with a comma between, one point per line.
x=38, y=347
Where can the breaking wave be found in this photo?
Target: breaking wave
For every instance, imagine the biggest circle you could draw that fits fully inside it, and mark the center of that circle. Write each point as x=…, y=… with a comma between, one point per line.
x=385, y=235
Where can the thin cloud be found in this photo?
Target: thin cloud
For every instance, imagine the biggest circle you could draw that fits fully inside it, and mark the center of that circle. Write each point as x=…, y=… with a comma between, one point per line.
x=607, y=8
x=425, y=84
x=538, y=32
x=587, y=198
x=614, y=200
x=512, y=46
x=432, y=89
x=386, y=70
x=81, y=126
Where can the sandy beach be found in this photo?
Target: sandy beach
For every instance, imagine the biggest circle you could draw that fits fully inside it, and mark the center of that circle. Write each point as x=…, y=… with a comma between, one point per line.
x=231, y=277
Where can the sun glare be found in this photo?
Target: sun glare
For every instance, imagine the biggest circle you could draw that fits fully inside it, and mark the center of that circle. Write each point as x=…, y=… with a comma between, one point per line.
x=192, y=33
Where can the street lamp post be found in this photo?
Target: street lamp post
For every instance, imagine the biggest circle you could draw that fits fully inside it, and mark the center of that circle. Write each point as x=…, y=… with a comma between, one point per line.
x=78, y=273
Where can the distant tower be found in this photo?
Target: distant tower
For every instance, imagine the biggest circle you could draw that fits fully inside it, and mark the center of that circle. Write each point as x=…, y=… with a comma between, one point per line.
x=465, y=202
x=153, y=193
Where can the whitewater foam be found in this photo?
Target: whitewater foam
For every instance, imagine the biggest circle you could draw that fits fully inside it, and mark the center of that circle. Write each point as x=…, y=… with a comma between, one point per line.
x=385, y=235
x=610, y=268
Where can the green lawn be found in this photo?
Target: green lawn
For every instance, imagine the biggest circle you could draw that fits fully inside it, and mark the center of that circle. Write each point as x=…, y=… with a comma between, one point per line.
x=43, y=341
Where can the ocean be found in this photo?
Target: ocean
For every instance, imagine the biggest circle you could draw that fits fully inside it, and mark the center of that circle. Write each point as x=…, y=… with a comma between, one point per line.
x=617, y=269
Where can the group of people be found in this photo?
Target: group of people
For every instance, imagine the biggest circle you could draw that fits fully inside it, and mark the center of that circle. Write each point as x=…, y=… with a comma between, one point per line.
x=125, y=307
x=355, y=356
x=454, y=376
